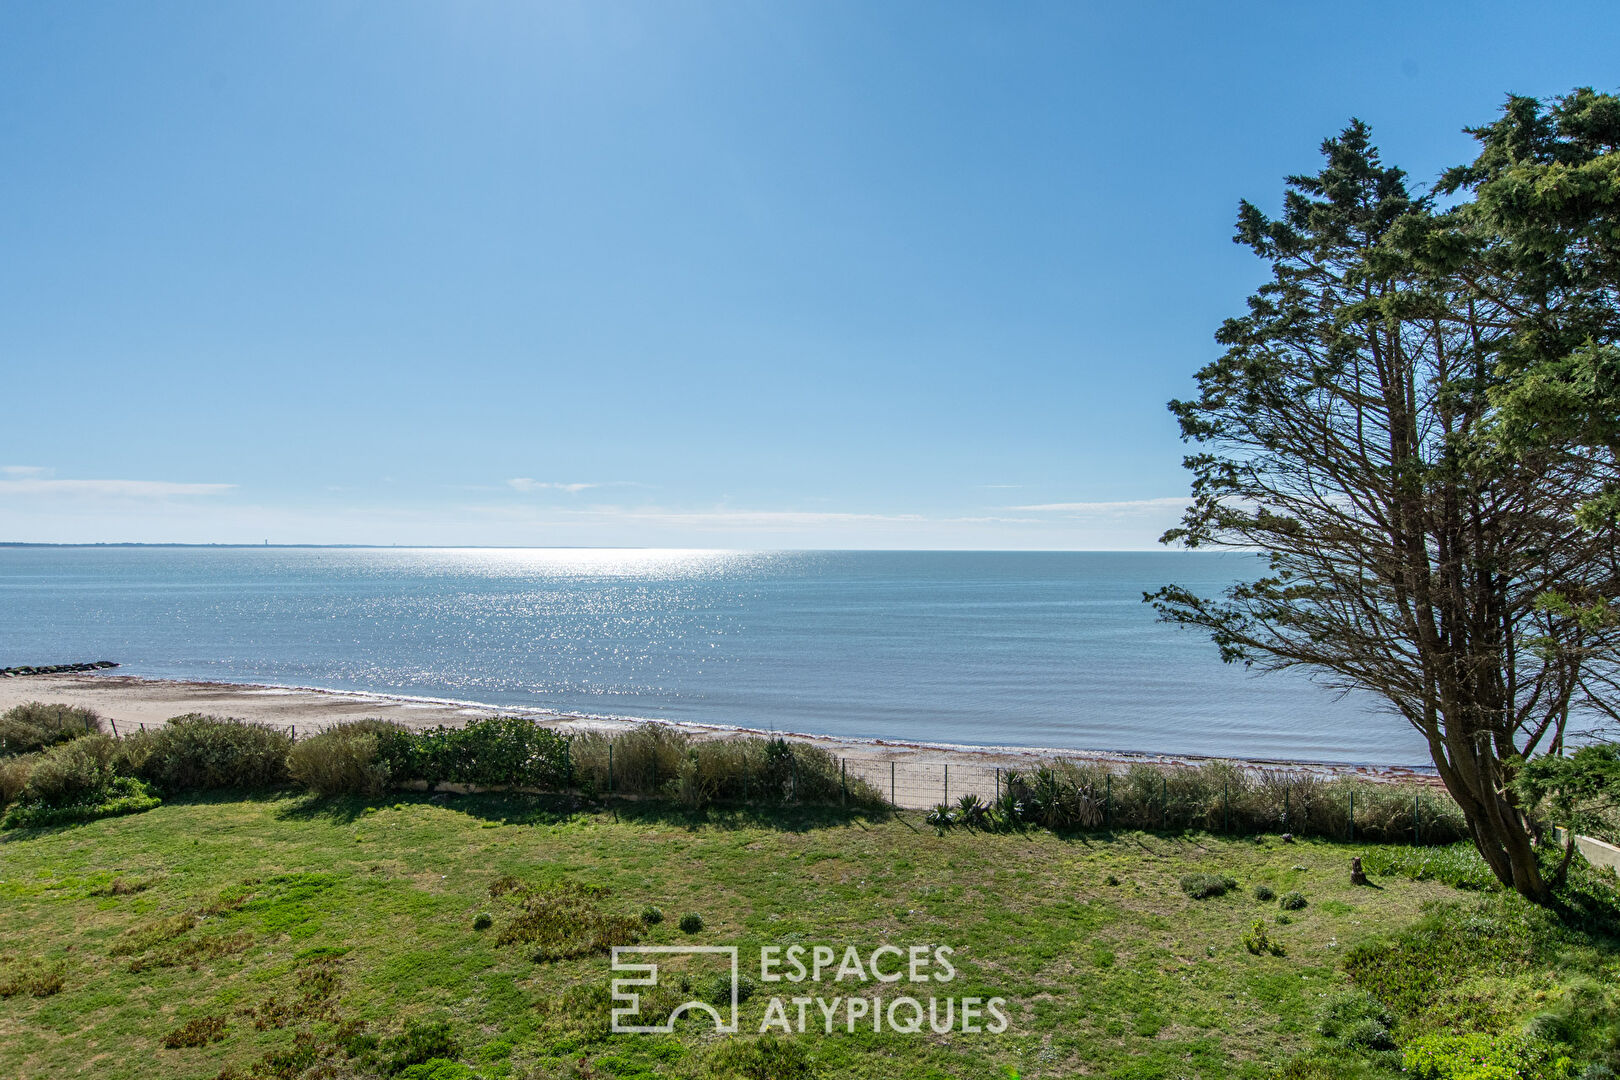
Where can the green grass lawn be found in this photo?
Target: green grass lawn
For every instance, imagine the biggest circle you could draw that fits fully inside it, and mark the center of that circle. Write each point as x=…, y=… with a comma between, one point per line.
x=289, y=927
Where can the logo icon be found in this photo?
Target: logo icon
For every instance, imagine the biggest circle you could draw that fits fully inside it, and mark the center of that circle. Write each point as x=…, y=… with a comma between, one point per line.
x=646, y=974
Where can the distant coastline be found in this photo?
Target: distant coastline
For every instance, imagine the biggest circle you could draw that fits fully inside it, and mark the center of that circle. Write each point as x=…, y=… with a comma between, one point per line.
x=138, y=701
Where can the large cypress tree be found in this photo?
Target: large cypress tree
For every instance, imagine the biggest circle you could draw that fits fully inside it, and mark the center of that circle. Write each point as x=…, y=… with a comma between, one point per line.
x=1350, y=434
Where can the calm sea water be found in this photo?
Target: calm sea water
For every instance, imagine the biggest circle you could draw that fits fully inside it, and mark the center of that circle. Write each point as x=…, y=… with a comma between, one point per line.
x=1028, y=649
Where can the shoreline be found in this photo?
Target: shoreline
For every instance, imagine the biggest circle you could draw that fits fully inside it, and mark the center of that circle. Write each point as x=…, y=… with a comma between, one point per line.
x=139, y=701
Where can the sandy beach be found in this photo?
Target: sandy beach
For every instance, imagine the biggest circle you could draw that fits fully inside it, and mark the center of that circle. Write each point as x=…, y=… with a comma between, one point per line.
x=921, y=771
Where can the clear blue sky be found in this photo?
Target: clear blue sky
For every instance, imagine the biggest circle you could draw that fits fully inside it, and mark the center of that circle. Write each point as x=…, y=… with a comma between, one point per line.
x=818, y=274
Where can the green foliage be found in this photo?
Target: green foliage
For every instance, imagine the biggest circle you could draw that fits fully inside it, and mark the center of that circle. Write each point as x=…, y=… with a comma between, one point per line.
x=1578, y=792
x=35, y=725
x=199, y=1032
x=1258, y=940
x=483, y=921
x=1205, y=886
x=1484, y=1057
x=122, y=795
x=202, y=753
x=767, y=1057
x=503, y=750
x=74, y=781
x=72, y=772
x=1222, y=797
x=563, y=920
x=652, y=915
x=691, y=923
x=420, y=1042
x=32, y=977
x=1264, y=893
x=342, y=760
x=1357, y=1020
x=14, y=776
x=1458, y=865
x=1292, y=901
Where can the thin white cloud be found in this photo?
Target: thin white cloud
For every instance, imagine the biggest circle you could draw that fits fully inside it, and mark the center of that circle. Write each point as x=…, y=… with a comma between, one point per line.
x=1105, y=509
x=524, y=483
x=109, y=489
x=25, y=471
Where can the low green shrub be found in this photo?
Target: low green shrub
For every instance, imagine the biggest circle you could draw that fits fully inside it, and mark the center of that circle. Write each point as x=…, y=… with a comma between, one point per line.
x=343, y=760
x=198, y=1032
x=652, y=915
x=1292, y=901
x=1258, y=941
x=1264, y=893
x=421, y=1041
x=503, y=750
x=33, y=977
x=1484, y=1057
x=122, y=795
x=563, y=920
x=483, y=921
x=1458, y=865
x=71, y=772
x=1407, y=971
x=14, y=776
x=1225, y=797
x=36, y=725
x=1207, y=886
x=767, y=1057
x=691, y=922
x=201, y=753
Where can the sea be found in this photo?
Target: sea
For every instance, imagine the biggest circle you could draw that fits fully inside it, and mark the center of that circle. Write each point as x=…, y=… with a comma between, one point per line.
x=1029, y=649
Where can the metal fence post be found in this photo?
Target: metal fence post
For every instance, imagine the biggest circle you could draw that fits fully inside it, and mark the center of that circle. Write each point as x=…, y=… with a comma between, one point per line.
x=1108, y=800
x=998, y=785
x=947, y=783
x=1164, y=801
x=1352, y=815
x=610, y=768
x=1226, y=806
x=843, y=783
x=892, y=801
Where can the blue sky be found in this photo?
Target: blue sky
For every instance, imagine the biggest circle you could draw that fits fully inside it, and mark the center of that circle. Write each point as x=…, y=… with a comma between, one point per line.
x=832, y=274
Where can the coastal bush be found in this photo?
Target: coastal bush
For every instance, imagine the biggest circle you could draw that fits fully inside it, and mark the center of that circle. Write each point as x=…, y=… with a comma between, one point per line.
x=1258, y=941
x=767, y=1056
x=201, y=753
x=35, y=725
x=1484, y=1057
x=71, y=772
x=342, y=760
x=502, y=750
x=1207, y=886
x=691, y=923
x=76, y=781
x=421, y=1041
x=14, y=776
x=641, y=760
x=1292, y=901
x=1264, y=893
x=564, y=920
x=1225, y=797
x=652, y=760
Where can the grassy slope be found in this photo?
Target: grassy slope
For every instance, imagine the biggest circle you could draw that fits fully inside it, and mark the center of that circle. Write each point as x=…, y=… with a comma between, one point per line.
x=1132, y=979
